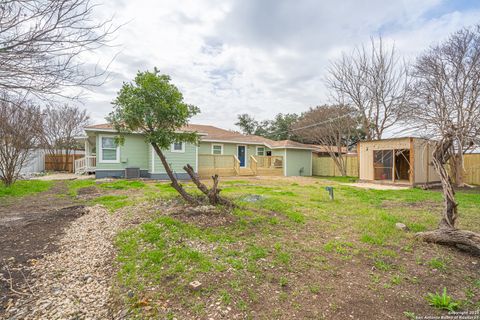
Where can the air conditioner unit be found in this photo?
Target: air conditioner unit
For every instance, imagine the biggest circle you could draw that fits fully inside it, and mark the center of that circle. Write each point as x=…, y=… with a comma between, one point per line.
x=132, y=173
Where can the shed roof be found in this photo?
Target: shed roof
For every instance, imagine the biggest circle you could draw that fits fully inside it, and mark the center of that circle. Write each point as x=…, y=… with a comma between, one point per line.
x=393, y=139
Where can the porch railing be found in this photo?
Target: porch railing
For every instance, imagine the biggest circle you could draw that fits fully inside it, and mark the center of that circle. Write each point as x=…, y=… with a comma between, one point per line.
x=269, y=162
x=253, y=165
x=236, y=165
x=216, y=161
x=229, y=165
x=86, y=164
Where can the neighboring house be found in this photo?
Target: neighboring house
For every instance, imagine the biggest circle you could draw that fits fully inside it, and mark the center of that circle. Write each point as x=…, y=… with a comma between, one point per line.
x=398, y=160
x=34, y=164
x=219, y=151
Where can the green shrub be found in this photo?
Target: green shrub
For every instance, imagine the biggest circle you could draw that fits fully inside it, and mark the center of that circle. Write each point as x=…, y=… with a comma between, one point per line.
x=437, y=263
x=443, y=301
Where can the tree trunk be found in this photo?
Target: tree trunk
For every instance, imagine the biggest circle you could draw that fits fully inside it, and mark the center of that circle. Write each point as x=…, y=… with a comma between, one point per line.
x=465, y=240
x=65, y=163
x=174, y=179
x=338, y=161
x=446, y=233
x=457, y=170
x=440, y=157
x=342, y=165
x=213, y=194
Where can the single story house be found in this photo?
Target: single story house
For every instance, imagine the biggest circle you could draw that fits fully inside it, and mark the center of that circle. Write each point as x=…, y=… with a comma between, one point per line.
x=406, y=161
x=219, y=151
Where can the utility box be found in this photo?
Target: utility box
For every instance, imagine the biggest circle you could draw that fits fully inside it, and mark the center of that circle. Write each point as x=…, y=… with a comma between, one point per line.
x=132, y=173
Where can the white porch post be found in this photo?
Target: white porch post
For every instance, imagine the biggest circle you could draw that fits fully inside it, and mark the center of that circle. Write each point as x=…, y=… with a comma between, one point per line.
x=87, y=147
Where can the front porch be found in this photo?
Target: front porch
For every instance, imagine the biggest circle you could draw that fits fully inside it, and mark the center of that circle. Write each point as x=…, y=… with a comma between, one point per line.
x=87, y=164
x=229, y=165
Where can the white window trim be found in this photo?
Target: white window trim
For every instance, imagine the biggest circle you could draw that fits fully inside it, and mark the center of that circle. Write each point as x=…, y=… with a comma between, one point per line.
x=179, y=151
x=264, y=150
x=100, y=150
x=217, y=145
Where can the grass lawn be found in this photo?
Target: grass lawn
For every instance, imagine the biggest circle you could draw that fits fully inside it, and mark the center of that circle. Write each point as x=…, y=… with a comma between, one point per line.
x=24, y=187
x=288, y=251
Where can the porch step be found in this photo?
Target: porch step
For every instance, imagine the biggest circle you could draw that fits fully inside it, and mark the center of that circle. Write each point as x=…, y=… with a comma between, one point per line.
x=245, y=172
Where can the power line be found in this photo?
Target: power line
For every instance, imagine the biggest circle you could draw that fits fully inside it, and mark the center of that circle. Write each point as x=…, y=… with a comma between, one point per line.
x=318, y=123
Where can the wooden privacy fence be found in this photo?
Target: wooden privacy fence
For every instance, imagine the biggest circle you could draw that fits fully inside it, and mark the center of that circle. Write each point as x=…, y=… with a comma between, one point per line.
x=57, y=162
x=325, y=166
x=472, y=169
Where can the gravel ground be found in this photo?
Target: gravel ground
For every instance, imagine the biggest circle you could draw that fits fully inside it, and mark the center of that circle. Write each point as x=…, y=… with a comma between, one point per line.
x=63, y=176
x=74, y=282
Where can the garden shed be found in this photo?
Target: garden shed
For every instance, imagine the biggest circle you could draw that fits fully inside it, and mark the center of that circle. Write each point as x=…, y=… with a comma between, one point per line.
x=406, y=161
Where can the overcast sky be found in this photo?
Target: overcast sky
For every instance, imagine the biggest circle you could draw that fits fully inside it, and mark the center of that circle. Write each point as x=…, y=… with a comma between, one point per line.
x=260, y=57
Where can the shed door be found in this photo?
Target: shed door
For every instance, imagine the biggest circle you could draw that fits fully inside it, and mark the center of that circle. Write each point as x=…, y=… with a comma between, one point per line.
x=383, y=164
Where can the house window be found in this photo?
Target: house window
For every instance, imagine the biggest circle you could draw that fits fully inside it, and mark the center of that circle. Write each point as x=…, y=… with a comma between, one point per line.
x=178, y=147
x=260, y=151
x=109, y=149
x=217, y=148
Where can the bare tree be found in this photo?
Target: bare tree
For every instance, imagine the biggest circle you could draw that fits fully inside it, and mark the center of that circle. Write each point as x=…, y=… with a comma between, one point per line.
x=42, y=43
x=20, y=132
x=333, y=127
x=61, y=125
x=447, y=91
x=373, y=81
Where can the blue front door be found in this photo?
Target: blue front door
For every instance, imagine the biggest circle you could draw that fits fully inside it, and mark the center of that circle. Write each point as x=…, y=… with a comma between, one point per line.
x=241, y=155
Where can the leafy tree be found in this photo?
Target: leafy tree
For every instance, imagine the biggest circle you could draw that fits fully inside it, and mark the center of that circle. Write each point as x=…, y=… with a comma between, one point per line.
x=280, y=127
x=247, y=124
x=154, y=106
x=277, y=129
x=334, y=127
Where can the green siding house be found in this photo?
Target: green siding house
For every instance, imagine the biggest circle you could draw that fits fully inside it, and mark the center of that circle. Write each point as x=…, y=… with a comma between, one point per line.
x=219, y=151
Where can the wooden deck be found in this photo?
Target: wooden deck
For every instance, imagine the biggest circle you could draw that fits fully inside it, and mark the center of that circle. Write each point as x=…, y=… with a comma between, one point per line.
x=229, y=166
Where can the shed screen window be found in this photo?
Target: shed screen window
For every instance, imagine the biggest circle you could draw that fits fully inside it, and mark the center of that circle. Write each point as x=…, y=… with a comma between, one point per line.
x=260, y=151
x=217, y=149
x=383, y=164
x=109, y=149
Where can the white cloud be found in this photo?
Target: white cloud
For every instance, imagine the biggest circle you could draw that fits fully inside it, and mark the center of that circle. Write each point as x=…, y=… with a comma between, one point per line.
x=259, y=57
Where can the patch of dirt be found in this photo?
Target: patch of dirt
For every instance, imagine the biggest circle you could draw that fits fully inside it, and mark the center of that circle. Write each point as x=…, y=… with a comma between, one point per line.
x=203, y=216
x=375, y=186
x=428, y=205
x=28, y=228
x=88, y=193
